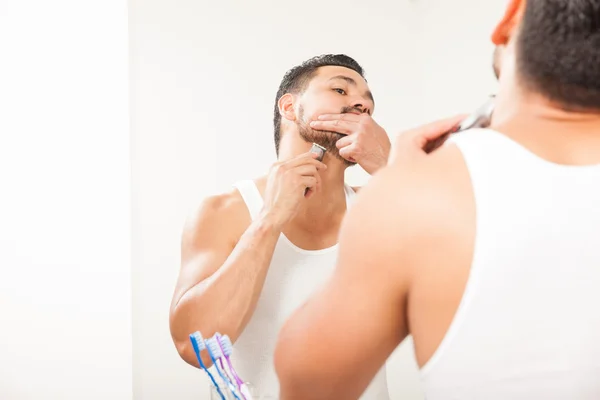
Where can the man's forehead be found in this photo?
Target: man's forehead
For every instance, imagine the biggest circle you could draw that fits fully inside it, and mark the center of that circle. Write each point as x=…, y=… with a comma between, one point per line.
x=330, y=72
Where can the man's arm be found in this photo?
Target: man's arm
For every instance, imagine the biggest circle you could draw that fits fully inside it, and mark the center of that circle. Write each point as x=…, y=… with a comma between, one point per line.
x=225, y=262
x=221, y=277
x=334, y=345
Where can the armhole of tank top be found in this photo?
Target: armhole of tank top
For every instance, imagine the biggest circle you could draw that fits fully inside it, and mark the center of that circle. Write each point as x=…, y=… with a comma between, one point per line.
x=470, y=158
x=251, y=196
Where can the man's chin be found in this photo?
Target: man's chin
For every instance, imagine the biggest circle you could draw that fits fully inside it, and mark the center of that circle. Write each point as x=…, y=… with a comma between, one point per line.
x=328, y=140
x=334, y=136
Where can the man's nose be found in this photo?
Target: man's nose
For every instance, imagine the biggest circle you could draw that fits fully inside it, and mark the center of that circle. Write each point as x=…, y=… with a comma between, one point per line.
x=359, y=105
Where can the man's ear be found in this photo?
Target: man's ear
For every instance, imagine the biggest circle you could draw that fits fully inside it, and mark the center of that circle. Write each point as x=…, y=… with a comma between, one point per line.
x=506, y=27
x=286, y=107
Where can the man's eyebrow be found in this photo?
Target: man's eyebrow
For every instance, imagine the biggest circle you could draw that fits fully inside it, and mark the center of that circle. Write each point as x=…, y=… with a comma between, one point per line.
x=346, y=78
x=353, y=82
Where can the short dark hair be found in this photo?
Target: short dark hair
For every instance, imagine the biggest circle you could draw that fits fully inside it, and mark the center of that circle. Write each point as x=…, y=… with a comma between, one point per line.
x=558, y=52
x=296, y=80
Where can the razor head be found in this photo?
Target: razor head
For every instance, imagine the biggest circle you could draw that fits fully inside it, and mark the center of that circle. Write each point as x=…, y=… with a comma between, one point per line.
x=318, y=150
x=481, y=118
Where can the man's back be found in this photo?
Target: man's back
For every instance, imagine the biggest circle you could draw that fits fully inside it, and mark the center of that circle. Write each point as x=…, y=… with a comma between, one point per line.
x=512, y=305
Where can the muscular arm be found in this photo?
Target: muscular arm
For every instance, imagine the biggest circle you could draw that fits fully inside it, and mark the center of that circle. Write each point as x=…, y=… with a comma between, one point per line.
x=221, y=274
x=334, y=345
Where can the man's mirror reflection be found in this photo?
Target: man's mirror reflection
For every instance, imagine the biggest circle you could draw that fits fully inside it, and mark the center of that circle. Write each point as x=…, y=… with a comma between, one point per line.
x=482, y=248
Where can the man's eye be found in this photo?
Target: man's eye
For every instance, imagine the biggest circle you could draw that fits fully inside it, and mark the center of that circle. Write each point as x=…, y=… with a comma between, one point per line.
x=340, y=91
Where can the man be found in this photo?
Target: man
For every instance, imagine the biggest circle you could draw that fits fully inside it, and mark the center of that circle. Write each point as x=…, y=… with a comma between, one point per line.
x=253, y=255
x=487, y=250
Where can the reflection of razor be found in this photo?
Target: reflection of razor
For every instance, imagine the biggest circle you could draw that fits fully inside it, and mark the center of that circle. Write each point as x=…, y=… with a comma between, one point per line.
x=319, y=150
x=481, y=118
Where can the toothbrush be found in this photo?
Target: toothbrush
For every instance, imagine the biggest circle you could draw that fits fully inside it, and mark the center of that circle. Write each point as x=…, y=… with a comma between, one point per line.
x=216, y=354
x=198, y=345
x=227, y=349
x=231, y=371
x=220, y=356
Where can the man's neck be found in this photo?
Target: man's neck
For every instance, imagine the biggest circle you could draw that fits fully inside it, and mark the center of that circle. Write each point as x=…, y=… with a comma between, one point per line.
x=550, y=132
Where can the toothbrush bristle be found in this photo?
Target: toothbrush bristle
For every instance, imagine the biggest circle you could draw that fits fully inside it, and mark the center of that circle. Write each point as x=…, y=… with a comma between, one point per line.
x=226, y=345
x=214, y=347
x=198, y=341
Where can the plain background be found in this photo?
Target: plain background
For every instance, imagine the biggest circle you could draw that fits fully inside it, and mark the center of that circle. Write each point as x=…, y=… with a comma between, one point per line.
x=94, y=198
x=203, y=82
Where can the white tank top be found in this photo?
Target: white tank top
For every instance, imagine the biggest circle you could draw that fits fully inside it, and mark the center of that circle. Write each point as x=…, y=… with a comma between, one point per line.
x=293, y=275
x=528, y=326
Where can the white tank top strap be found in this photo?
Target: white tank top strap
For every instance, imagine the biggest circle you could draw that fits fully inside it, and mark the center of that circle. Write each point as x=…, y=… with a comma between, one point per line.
x=350, y=194
x=251, y=196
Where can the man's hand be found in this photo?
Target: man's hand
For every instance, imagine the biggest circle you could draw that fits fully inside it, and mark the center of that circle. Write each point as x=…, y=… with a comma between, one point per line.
x=420, y=141
x=365, y=143
x=287, y=186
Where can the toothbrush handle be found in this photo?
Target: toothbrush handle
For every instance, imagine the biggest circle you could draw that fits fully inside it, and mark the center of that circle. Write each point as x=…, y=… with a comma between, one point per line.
x=223, y=374
x=230, y=376
x=238, y=380
x=246, y=392
x=210, y=376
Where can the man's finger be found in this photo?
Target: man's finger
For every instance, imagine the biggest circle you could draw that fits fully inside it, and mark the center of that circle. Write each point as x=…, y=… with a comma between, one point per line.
x=345, y=141
x=433, y=130
x=339, y=126
x=306, y=170
x=306, y=158
x=343, y=117
x=348, y=152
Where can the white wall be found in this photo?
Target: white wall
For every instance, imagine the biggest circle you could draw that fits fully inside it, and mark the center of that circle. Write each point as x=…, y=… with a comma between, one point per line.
x=203, y=81
x=65, y=291
x=457, y=73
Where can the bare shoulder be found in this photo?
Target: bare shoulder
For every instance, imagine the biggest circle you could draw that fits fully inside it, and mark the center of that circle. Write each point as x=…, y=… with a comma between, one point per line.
x=210, y=233
x=431, y=189
x=438, y=185
x=216, y=206
x=416, y=203
x=223, y=217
